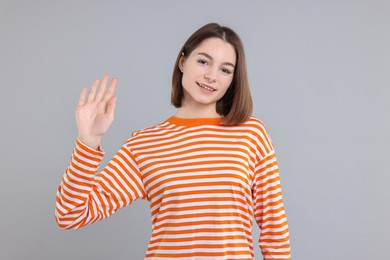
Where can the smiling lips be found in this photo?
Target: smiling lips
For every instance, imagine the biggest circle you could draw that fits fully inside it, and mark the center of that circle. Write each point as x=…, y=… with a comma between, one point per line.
x=206, y=87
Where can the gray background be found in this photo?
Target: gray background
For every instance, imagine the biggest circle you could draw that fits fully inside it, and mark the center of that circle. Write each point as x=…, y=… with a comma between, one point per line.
x=319, y=75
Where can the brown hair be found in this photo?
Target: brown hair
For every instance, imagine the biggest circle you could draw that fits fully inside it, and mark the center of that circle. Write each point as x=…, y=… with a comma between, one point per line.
x=236, y=105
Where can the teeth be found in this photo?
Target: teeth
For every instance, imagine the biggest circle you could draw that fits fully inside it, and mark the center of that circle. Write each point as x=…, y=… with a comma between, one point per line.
x=205, y=87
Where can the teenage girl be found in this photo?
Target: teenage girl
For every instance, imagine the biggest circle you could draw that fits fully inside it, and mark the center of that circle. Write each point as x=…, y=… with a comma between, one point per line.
x=206, y=171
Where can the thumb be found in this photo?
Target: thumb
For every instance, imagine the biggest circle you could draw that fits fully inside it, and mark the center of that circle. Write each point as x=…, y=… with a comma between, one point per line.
x=111, y=107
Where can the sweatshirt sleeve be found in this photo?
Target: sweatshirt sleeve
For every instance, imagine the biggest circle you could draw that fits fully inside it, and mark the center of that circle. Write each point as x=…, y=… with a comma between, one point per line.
x=85, y=196
x=269, y=211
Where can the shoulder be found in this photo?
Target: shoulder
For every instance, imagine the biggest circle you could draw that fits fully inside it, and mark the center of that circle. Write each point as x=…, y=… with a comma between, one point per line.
x=148, y=132
x=256, y=124
x=262, y=135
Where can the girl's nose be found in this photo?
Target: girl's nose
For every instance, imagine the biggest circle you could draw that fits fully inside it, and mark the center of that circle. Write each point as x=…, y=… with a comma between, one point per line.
x=210, y=76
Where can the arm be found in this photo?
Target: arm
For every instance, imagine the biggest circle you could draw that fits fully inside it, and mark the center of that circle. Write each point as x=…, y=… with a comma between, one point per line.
x=269, y=210
x=85, y=197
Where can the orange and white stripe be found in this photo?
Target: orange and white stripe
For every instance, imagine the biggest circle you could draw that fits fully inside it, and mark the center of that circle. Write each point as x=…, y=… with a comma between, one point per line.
x=204, y=181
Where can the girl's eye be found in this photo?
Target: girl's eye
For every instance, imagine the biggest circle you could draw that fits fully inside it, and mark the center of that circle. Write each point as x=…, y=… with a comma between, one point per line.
x=226, y=71
x=203, y=62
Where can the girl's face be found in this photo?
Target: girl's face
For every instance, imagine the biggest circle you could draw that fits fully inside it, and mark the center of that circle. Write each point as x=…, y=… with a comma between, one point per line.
x=207, y=72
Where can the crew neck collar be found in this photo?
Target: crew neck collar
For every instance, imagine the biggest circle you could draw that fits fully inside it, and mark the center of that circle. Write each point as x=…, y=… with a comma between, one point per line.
x=195, y=121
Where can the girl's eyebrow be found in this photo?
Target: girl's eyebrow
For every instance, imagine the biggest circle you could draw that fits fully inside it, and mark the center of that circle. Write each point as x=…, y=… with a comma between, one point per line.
x=211, y=58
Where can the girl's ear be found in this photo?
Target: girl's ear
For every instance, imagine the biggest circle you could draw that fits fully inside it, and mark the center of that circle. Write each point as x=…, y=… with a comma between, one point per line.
x=181, y=62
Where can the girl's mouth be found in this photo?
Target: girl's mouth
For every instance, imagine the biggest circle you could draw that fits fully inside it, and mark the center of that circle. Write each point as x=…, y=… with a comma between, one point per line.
x=206, y=87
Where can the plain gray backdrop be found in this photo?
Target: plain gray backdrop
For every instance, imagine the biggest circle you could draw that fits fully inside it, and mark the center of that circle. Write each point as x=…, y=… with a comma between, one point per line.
x=319, y=76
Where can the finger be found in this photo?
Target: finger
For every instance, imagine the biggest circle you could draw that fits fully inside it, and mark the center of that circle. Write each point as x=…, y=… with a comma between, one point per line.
x=82, y=96
x=111, y=89
x=111, y=107
x=102, y=88
x=91, y=95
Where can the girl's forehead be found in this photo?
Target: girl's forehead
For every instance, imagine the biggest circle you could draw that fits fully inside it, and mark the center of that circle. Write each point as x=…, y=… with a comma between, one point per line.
x=217, y=49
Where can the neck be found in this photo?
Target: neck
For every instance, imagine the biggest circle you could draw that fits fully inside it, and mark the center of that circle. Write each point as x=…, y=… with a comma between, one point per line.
x=197, y=111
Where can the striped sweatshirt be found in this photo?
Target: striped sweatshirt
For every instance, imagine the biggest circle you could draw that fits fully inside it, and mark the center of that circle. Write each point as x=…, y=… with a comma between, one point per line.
x=205, y=183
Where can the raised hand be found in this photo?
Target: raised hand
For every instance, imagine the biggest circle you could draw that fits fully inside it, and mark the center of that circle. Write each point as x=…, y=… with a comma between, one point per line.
x=95, y=111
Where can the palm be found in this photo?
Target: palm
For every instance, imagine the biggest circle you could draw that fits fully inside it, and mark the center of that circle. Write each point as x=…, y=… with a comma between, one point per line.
x=95, y=113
